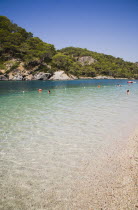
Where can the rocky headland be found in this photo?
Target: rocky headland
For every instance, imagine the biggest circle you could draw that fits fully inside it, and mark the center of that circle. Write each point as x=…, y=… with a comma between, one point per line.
x=15, y=70
x=25, y=57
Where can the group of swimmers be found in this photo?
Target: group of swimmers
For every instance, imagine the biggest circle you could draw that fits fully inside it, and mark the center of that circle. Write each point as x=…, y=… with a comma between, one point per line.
x=118, y=85
x=128, y=91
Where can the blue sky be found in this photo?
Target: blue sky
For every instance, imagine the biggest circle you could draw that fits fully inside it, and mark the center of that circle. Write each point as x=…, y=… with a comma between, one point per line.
x=105, y=26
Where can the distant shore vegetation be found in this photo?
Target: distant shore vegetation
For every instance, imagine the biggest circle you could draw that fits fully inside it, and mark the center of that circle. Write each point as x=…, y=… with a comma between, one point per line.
x=18, y=44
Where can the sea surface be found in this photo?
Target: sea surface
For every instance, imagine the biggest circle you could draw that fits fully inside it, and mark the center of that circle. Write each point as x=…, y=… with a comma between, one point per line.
x=48, y=142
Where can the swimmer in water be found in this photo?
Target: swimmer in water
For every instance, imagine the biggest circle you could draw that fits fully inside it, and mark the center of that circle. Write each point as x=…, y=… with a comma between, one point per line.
x=39, y=90
x=48, y=91
x=128, y=92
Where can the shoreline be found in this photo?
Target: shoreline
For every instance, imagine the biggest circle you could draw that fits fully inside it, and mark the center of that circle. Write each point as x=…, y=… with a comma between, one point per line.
x=57, y=76
x=81, y=78
x=62, y=79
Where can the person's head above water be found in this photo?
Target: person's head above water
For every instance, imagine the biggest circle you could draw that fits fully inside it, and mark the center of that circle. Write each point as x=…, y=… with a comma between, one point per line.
x=128, y=91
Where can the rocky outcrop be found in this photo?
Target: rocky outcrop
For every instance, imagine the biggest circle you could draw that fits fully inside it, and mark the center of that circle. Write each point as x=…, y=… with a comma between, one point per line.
x=2, y=71
x=17, y=77
x=60, y=75
x=2, y=77
x=86, y=60
x=29, y=77
x=15, y=70
x=41, y=76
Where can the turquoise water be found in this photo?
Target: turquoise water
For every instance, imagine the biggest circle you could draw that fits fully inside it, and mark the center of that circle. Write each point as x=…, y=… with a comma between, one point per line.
x=47, y=140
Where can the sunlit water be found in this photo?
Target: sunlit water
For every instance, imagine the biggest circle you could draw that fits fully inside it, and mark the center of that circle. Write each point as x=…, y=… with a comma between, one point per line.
x=48, y=140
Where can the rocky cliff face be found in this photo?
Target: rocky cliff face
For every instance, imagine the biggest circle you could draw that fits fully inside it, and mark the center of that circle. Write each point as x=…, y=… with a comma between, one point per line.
x=15, y=70
x=60, y=75
x=2, y=77
x=86, y=60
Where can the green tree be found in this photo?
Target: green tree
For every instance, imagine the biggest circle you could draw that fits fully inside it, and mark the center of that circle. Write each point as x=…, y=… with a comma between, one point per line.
x=62, y=62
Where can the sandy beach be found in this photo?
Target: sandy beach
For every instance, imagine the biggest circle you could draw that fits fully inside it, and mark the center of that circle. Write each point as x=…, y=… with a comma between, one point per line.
x=116, y=188
x=126, y=195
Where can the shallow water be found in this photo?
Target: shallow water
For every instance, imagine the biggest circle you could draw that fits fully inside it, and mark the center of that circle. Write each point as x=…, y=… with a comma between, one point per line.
x=49, y=141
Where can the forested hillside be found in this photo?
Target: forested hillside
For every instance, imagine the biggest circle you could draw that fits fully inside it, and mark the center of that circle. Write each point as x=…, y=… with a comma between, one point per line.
x=19, y=50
